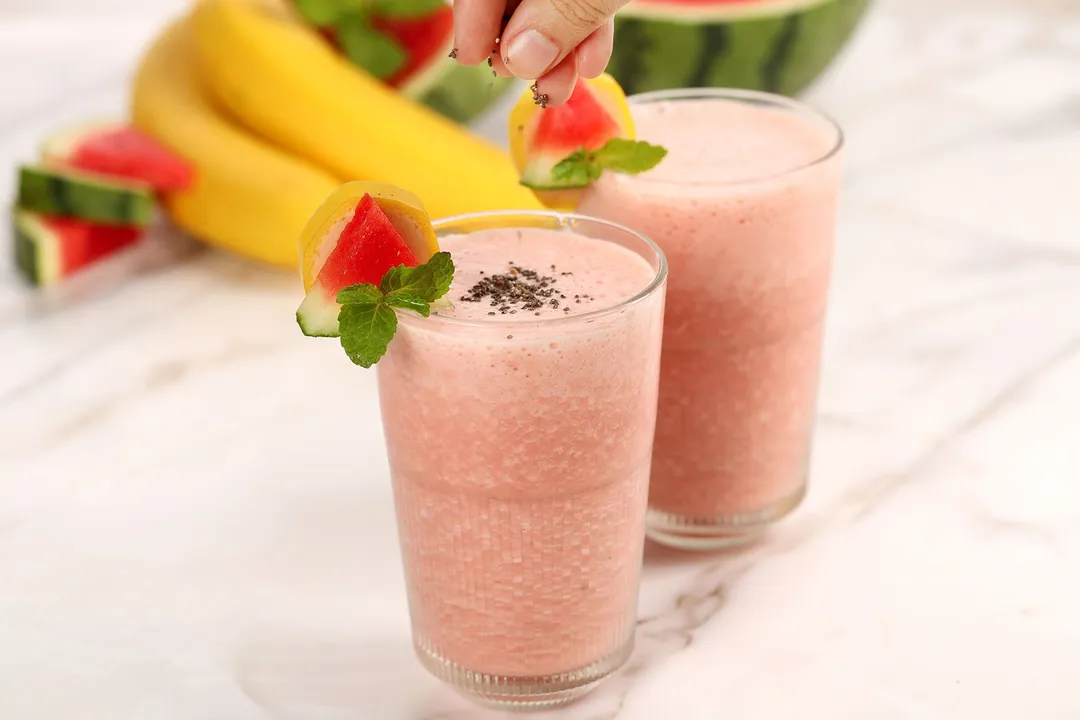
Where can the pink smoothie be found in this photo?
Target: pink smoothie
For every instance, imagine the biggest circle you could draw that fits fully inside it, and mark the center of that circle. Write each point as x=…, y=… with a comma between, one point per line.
x=744, y=207
x=520, y=441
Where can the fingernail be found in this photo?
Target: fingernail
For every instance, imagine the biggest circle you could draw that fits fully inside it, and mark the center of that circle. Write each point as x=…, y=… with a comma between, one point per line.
x=530, y=54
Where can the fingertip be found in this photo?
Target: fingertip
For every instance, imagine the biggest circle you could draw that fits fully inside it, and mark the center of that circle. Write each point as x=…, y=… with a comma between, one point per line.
x=558, y=84
x=477, y=23
x=594, y=54
x=499, y=66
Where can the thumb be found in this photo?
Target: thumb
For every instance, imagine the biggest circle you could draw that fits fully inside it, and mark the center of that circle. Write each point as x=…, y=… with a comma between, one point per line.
x=543, y=32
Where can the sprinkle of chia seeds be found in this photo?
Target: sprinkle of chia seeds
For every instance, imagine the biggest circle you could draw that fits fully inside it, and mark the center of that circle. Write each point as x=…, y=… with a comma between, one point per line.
x=491, y=313
x=453, y=53
x=509, y=337
x=490, y=61
x=518, y=289
x=539, y=98
x=566, y=273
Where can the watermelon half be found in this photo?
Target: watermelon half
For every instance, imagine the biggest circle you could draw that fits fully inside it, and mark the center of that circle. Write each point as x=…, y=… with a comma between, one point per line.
x=49, y=249
x=778, y=46
x=429, y=76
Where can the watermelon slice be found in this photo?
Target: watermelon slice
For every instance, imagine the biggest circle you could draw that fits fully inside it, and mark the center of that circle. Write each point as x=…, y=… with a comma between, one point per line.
x=75, y=194
x=774, y=45
x=119, y=150
x=49, y=249
x=596, y=112
x=427, y=76
x=357, y=242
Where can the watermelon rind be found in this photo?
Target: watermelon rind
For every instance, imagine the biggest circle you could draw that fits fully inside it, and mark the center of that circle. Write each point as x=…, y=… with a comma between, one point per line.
x=37, y=249
x=66, y=193
x=539, y=175
x=778, y=46
x=317, y=315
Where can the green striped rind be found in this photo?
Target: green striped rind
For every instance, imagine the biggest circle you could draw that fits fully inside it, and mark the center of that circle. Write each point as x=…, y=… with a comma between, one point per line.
x=37, y=251
x=317, y=315
x=459, y=92
x=662, y=46
x=88, y=197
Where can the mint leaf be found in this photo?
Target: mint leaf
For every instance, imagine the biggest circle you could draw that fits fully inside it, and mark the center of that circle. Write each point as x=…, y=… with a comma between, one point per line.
x=406, y=8
x=368, y=48
x=408, y=301
x=364, y=294
x=366, y=331
x=429, y=281
x=322, y=12
x=577, y=169
x=581, y=167
x=628, y=156
x=367, y=321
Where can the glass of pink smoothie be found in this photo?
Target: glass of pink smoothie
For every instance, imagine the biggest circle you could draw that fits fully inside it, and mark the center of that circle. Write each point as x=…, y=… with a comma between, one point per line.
x=519, y=423
x=744, y=206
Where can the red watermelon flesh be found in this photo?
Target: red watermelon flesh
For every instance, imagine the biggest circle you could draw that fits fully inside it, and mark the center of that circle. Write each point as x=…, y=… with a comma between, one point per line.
x=82, y=243
x=581, y=122
x=125, y=152
x=368, y=247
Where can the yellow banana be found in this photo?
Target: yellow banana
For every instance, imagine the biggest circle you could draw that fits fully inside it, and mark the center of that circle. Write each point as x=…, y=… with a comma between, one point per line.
x=249, y=196
x=285, y=83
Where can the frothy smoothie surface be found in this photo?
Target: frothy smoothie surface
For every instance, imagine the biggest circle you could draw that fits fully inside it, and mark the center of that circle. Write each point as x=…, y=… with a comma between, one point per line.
x=721, y=141
x=535, y=274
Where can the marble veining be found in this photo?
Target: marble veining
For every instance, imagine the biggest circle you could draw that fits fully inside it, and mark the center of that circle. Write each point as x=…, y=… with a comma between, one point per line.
x=195, y=517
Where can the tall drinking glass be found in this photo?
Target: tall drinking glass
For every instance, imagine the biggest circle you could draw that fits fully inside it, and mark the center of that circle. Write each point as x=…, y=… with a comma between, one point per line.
x=744, y=206
x=520, y=439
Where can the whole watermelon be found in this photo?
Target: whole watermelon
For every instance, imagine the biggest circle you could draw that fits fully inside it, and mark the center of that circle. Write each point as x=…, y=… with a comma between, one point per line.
x=779, y=46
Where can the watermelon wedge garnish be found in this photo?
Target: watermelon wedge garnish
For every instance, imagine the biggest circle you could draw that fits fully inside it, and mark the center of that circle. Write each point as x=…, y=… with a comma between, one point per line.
x=49, y=249
x=540, y=138
x=120, y=151
x=362, y=231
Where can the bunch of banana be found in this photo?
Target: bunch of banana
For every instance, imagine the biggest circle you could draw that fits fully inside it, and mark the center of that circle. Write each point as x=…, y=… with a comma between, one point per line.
x=274, y=119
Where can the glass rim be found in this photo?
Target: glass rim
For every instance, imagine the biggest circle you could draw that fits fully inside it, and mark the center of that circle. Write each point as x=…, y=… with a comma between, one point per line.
x=759, y=97
x=563, y=221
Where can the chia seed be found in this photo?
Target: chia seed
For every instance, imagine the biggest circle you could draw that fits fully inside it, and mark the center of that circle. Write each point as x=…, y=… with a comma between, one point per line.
x=517, y=289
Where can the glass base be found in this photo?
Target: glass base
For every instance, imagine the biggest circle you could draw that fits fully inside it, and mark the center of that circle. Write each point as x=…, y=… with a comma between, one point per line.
x=718, y=532
x=538, y=692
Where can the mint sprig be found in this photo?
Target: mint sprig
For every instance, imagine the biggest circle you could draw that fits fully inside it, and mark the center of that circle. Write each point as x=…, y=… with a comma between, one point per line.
x=379, y=54
x=367, y=321
x=582, y=166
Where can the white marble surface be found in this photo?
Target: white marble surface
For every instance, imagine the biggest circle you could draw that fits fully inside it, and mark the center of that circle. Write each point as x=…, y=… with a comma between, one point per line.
x=195, y=516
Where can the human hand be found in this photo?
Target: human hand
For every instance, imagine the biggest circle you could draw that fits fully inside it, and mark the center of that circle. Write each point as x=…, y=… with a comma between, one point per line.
x=550, y=41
